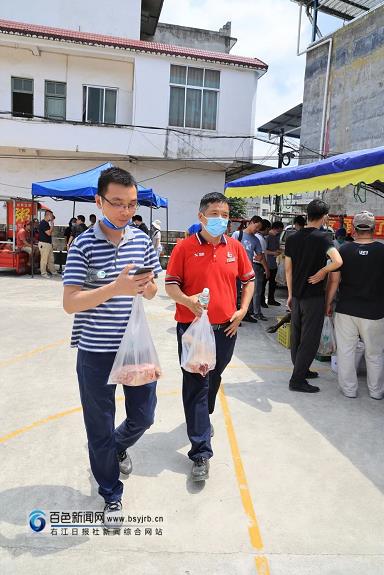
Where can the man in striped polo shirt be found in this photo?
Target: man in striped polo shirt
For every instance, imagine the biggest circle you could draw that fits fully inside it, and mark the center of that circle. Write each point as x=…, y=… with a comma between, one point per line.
x=208, y=259
x=99, y=288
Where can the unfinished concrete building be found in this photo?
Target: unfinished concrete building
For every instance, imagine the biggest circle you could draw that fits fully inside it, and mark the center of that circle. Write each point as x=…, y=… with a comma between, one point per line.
x=343, y=97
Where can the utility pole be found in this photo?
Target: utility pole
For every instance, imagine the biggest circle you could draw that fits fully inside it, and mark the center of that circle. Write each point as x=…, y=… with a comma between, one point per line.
x=279, y=165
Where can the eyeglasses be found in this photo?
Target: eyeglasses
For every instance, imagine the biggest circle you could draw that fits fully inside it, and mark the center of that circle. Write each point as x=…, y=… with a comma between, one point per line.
x=131, y=206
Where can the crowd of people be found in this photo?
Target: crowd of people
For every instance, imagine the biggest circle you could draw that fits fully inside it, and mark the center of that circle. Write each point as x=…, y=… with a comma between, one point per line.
x=340, y=278
x=317, y=274
x=36, y=241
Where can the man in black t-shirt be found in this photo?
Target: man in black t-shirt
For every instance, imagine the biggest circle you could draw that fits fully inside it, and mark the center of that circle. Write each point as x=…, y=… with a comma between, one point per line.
x=360, y=307
x=306, y=253
x=138, y=222
x=45, y=245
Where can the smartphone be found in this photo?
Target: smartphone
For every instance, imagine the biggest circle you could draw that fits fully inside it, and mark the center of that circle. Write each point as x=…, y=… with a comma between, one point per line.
x=140, y=271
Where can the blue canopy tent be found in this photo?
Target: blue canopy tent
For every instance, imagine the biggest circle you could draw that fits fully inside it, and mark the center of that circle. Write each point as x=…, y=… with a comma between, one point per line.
x=83, y=187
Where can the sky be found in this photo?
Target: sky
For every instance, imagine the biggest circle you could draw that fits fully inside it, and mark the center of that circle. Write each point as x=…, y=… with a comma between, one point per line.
x=265, y=29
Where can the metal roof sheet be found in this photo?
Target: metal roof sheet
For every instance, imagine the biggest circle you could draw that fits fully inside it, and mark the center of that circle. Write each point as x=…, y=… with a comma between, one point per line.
x=289, y=122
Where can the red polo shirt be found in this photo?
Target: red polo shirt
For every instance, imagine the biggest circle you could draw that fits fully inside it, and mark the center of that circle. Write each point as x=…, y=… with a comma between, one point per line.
x=196, y=264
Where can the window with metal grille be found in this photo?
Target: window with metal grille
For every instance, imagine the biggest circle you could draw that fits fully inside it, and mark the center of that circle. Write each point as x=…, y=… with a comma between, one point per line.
x=99, y=105
x=22, y=97
x=55, y=100
x=194, y=97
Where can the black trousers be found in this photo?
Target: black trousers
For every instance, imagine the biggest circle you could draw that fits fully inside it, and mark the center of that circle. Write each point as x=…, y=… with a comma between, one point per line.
x=199, y=393
x=306, y=325
x=272, y=285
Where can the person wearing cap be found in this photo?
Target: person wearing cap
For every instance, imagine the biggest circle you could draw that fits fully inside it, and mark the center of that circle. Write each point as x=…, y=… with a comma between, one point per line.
x=156, y=236
x=306, y=254
x=208, y=259
x=359, y=307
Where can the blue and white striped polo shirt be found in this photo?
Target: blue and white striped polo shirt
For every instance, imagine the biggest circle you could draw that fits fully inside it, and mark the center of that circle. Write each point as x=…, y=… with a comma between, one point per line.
x=100, y=329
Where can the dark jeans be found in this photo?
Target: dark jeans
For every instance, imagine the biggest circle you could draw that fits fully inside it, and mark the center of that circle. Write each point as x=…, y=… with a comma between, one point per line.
x=306, y=326
x=199, y=394
x=98, y=401
x=272, y=285
x=257, y=294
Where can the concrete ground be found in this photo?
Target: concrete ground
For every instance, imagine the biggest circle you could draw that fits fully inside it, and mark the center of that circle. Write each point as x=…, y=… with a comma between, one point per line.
x=296, y=483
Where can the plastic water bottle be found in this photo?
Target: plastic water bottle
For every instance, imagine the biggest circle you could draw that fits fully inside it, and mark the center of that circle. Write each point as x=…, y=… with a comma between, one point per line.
x=94, y=275
x=204, y=297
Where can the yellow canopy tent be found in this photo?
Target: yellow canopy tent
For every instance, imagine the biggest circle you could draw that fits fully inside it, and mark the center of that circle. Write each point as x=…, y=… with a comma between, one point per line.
x=338, y=171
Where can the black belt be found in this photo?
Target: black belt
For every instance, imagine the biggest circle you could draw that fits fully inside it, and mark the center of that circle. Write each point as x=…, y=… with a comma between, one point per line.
x=219, y=326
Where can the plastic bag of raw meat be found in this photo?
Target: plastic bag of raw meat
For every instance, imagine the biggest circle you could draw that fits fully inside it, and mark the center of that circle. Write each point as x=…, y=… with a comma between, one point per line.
x=136, y=362
x=198, y=353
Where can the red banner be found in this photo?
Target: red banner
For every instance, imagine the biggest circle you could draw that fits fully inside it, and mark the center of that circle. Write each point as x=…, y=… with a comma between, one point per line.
x=23, y=212
x=335, y=223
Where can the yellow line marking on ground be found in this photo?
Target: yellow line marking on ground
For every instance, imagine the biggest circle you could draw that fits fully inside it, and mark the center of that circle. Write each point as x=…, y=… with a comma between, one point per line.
x=28, y=354
x=59, y=415
x=262, y=564
x=38, y=423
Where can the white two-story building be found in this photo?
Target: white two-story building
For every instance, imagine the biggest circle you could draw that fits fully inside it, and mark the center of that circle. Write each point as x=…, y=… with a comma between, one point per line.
x=78, y=87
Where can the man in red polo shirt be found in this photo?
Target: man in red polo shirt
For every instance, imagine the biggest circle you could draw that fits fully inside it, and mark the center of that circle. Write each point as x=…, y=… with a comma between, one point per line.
x=208, y=259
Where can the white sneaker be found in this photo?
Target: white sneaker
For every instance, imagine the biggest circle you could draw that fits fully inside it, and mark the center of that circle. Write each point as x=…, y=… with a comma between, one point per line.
x=113, y=518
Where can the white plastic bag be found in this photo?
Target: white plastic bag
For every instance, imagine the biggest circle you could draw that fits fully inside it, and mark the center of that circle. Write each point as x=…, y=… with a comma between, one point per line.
x=198, y=353
x=359, y=357
x=327, y=341
x=136, y=362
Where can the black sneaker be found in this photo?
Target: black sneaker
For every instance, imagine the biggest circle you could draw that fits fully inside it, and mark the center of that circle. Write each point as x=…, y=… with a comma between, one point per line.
x=113, y=518
x=271, y=329
x=261, y=317
x=264, y=304
x=125, y=463
x=312, y=374
x=304, y=387
x=250, y=318
x=200, y=469
x=274, y=302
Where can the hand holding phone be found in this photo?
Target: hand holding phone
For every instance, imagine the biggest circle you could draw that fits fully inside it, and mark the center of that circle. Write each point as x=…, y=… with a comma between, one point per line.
x=144, y=270
x=128, y=283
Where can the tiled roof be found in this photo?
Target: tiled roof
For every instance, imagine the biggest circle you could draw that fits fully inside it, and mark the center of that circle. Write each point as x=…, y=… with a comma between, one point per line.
x=48, y=33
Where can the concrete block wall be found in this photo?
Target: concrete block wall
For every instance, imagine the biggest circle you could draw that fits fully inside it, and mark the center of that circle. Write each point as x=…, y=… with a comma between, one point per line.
x=355, y=110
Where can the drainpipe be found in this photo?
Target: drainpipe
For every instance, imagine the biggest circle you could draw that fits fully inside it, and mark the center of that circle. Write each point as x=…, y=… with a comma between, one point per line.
x=325, y=100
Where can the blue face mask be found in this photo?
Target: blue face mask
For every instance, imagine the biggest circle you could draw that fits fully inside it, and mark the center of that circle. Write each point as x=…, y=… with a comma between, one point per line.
x=110, y=225
x=216, y=226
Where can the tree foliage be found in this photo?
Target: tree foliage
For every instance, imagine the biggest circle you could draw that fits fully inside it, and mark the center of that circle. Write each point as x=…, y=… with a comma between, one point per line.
x=237, y=207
